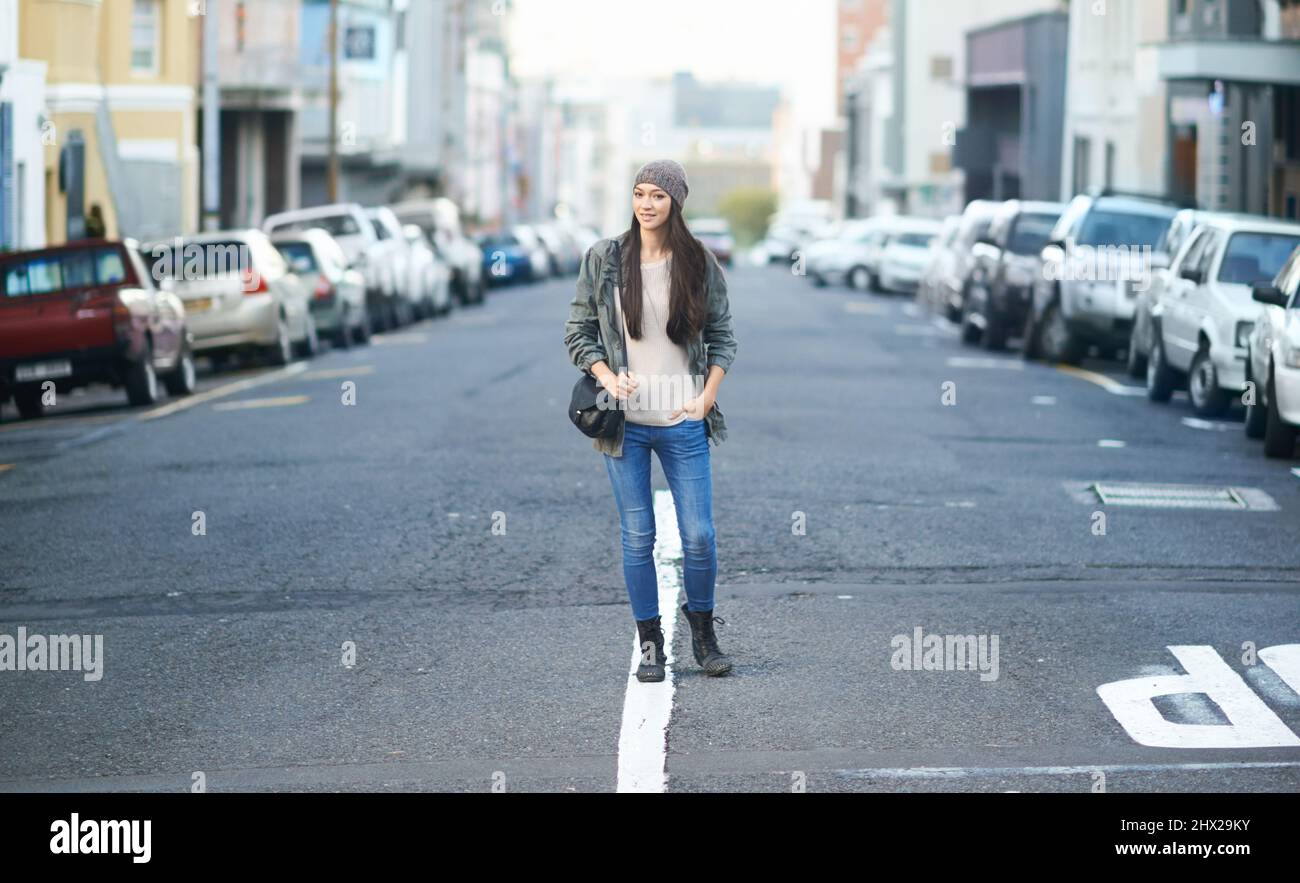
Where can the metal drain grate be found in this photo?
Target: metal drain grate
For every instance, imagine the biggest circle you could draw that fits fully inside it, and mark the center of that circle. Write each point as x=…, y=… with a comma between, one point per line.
x=1168, y=496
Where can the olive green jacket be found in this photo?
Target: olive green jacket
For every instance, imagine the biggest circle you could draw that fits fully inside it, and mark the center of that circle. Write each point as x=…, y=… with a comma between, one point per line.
x=591, y=324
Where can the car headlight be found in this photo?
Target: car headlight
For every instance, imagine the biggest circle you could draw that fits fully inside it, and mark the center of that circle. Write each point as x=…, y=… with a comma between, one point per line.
x=1244, y=330
x=1290, y=353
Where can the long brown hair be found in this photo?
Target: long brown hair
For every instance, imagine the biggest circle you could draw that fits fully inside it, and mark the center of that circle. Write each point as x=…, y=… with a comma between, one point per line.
x=688, y=309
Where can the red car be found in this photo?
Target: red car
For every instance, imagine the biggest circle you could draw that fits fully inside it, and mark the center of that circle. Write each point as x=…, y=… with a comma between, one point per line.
x=87, y=312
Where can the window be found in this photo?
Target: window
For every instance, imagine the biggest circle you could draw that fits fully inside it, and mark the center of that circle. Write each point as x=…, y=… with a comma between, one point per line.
x=1196, y=245
x=1255, y=257
x=69, y=270
x=1082, y=164
x=1031, y=232
x=941, y=67
x=1110, y=162
x=1123, y=228
x=144, y=36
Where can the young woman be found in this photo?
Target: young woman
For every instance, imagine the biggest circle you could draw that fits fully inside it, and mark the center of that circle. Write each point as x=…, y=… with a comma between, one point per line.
x=672, y=310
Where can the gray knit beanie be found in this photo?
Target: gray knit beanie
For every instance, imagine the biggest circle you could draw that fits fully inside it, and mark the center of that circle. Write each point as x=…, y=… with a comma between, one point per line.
x=669, y=175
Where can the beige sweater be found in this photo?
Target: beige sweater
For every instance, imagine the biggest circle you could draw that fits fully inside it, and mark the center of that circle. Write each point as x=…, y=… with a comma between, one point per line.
x=660, y=366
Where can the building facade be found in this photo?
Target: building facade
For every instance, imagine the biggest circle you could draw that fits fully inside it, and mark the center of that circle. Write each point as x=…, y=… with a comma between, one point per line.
x=120, y=107
x=1232, y=69
x=22, y=129
x=1115, y=119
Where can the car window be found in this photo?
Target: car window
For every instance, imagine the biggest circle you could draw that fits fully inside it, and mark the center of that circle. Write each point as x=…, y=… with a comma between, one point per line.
x=1255, y=257
x=1213, y=238
x=1030, y=233
x=1193, y=246
x=299, y=255
x=915, y=240
x=335, y=225
x=1070, y=219
x=1135, y=230
x=78, y=268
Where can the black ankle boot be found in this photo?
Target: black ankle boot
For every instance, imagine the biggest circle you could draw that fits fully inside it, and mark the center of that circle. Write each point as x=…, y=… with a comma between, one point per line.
x=704, y=643
x=653, y=658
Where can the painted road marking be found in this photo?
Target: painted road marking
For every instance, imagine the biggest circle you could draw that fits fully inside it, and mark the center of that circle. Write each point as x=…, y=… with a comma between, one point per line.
x=973, y=772
x=339, y=372
x=1111, y=443
x=1210, y=425
x=1251, y=723
x=911, y=310
x=406, y=339
x=865, y=307
x=1111, y=386
x=643, y=738
x=1043, y=400
x=223, y=391
x=1171, y=496
x=975, y=362
x=246, y=404
x=916, y=331
x=5, y=467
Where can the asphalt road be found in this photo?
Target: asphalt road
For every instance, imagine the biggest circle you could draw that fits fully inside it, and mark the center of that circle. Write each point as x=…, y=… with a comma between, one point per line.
x=423, y=590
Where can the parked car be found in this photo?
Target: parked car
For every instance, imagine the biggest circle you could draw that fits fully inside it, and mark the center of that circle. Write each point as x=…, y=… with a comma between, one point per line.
x=355, y=233
x=430, y=272
x=440, y=220
x=1207, y=314
x=715, y=235
x=505, y=259
x=89, y=312
x=938, y=264
x=906, y=253
x=1273, y=363
x=561, y=249
x=1004, y=266
x=529, y=241
x=1145, y=296
x=338, y=293
x=406, y=307
x=239, y=294
x=953, y=285
x=1081, y=297
x=851, y=257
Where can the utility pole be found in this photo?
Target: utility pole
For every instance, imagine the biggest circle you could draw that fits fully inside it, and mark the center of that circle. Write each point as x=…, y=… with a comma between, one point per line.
x=332, y=180
x=211, y=119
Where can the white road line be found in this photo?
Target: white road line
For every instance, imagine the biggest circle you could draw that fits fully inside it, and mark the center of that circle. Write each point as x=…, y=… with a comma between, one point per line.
x=339, y=372
x=1296, y=472
x=1211, y=425
x=1112, y=386
x=1110, y=443
x=976, y=362
x=246, y=404
x=642, y=741
x=223, y=391
x=865, y=307
x=970, y=772
x=404, y=339
x=1043, y=400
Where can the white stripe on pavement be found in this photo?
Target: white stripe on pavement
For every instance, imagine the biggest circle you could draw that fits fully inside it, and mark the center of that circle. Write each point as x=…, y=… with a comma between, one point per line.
x=970, y=772
x=1112, y=386
x=642, y=741
x=223, y=391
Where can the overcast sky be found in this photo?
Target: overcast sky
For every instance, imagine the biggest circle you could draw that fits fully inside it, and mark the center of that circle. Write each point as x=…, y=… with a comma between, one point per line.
x=785, y=43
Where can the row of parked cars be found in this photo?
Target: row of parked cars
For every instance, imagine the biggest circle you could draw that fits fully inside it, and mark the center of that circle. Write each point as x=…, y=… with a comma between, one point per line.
x=1189, y=299
x=136, y=314
x=533, y=252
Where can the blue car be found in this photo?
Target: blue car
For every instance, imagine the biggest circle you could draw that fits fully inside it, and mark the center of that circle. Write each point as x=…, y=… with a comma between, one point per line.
x=505, y=259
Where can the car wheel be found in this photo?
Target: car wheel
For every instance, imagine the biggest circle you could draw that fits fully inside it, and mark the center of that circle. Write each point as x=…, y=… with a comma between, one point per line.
x=995, y=333
x=1029, y=348
x=309, y=346
x=1136, y=362
x=1058, y=342
x=142, y=379
x=817, y=279
x=1162, y=379
x=1256, y=415
x=970, y=332
x=344, y=335
x=1208, y=398
x=280, y=352
x=1279, y=436
x=28, y=401
x=184, y=379
x=860, y=279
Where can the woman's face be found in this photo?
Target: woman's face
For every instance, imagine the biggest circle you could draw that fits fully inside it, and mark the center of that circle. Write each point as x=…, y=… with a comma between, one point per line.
x=651, y=205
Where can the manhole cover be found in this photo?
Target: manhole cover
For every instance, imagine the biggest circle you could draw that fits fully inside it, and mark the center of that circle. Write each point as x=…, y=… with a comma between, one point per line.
x=1172, y=496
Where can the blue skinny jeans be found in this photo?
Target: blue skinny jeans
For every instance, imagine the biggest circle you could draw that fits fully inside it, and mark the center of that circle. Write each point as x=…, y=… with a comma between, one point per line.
x=683, y=451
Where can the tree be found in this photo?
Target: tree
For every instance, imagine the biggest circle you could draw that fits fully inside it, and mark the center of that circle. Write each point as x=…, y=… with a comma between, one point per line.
x=747, y=209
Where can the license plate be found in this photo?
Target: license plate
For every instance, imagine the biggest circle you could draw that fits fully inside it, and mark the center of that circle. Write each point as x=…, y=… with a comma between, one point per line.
x=43, y=370
x=198, y=305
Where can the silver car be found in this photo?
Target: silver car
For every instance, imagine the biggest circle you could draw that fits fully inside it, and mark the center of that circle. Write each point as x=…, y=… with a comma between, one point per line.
x=338, y=293
x=239, y=294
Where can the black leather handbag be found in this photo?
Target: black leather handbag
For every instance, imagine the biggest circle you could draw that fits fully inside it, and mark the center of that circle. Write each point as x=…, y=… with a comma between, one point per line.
x=585, y=411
